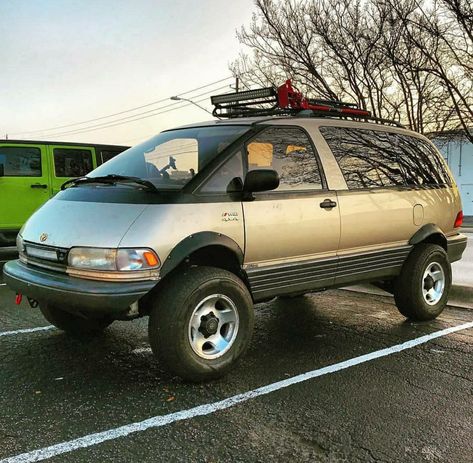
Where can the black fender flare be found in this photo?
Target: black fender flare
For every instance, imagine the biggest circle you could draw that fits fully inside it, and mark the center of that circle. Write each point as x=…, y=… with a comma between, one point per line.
x=195, y=242
x=424, y=232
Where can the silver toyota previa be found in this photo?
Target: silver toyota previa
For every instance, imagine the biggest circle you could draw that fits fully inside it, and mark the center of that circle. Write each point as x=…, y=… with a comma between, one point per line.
x=195, y=225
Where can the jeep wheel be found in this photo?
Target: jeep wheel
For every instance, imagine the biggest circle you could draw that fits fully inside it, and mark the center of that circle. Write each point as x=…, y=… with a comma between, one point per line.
x=73, y=324
x=201, y=322
x=421, y=290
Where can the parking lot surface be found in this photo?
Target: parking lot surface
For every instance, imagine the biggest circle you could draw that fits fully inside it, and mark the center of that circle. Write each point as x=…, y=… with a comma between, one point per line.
x=414, y=405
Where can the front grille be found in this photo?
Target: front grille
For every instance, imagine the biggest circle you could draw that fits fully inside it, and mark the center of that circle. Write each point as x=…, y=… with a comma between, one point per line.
x=50, y=257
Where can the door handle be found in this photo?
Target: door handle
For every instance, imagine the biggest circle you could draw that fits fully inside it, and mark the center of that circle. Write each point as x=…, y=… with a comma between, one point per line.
x=39, y=185
x=328, y=204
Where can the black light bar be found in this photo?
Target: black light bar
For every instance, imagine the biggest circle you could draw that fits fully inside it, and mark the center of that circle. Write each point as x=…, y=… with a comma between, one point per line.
x=237, y=97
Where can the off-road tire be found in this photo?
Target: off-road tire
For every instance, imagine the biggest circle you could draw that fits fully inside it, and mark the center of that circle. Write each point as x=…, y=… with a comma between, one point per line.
x=408, y=285
x=171, y=313
x=73, y=324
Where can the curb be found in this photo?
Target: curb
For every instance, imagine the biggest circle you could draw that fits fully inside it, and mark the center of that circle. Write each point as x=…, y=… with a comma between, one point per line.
x=460, y=296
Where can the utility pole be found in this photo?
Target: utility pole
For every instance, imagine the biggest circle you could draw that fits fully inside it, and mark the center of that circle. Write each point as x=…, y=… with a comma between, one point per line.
x=237, y=84
x=6, y=136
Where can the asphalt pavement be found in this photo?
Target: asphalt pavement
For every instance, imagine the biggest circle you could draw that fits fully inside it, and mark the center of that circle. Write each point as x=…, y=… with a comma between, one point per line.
x=400, y=403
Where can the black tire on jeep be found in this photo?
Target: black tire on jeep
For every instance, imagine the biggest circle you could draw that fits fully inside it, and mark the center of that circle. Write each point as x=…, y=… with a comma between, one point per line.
x=73, y=324
x=201, y=322
x=421, y=290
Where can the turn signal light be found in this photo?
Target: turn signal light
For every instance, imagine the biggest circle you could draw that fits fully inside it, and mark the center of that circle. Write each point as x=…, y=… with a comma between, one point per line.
x=151, y=258
x=458, y=220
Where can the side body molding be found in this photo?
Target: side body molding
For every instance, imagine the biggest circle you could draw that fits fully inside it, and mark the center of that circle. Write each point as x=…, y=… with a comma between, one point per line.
x=426, y=231
x=198, y=241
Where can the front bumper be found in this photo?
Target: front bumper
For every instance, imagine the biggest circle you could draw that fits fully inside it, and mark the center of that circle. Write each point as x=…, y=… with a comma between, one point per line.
x=456, y=245
x=73, y=294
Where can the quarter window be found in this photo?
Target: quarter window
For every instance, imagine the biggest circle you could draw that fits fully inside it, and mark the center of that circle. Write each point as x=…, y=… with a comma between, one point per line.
x=220, y=180
x=289, y=152
x=367, y=158
x=420, y=162
x=20, y=161
x=72, y=162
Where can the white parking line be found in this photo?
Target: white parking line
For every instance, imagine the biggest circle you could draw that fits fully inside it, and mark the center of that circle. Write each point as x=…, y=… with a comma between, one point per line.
x=202, y=410
x=26, y=330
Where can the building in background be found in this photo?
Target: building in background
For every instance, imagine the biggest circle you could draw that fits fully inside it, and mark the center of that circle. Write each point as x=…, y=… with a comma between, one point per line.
x=458, y=152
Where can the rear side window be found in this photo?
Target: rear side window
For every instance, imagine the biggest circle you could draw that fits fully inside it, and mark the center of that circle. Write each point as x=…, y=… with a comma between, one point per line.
x=70, y=162
x=420, y=162
x=367, y=158
x=290, y=153
x=20, y=161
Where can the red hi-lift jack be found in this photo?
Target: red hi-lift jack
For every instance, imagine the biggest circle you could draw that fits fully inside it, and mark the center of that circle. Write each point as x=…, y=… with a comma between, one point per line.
x=286, y=100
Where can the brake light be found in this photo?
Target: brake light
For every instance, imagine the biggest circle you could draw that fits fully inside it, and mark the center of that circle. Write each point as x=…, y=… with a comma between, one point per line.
x=458, y=220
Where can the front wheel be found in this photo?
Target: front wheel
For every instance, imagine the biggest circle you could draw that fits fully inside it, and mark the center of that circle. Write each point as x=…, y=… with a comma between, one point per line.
x=421, y=290
x=201, y=322
x=73, y=324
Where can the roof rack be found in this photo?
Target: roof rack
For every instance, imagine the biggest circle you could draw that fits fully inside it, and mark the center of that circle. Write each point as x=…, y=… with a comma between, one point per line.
x=285, y=100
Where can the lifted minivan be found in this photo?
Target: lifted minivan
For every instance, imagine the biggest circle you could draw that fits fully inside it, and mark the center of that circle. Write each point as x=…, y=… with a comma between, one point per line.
x=194, y=226
x=31, y=172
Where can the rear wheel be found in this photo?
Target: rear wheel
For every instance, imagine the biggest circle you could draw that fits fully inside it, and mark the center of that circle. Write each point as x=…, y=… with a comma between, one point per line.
x=201, y=323
x=421, y=290
x=73, y=324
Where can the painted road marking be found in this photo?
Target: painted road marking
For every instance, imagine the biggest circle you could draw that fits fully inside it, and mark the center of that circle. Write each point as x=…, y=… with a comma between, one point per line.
x=3, y=284
x=27, y=330
x=207, y=409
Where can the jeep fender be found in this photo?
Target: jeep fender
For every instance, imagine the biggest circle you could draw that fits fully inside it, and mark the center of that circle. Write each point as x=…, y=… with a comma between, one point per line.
x=195, y=242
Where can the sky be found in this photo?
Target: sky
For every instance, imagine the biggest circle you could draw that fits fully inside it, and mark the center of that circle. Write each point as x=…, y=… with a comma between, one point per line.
x=65, y=61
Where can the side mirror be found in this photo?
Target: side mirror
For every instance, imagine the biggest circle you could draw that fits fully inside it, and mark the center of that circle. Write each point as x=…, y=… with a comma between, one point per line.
x=261, y=180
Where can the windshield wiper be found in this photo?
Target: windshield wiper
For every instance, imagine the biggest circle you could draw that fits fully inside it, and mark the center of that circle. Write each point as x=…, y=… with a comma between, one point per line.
x=111, y=179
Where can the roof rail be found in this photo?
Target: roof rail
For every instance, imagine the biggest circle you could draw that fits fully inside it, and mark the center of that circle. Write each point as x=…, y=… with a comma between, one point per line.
x=285, y=100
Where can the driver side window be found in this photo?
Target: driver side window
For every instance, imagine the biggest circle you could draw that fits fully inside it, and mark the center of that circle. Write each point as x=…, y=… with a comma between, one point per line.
x=289, y=152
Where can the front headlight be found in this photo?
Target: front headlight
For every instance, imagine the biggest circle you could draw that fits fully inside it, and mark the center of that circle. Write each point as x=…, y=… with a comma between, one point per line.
x=113, y=259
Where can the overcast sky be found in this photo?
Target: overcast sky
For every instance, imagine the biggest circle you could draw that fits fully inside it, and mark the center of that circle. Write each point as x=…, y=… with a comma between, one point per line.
x=65, y=61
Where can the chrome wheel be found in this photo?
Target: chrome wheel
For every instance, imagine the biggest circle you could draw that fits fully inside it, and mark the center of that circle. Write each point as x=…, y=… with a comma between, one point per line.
x=433, y=283
x=213, y=326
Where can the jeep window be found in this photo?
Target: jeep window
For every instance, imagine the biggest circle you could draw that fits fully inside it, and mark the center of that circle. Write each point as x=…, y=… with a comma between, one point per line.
x=171, y=159
x=290, y=153
x=72, y=162
x=367, y=158
x=221, y=178
x=106, y=155
x=420, y=162
x=20, y=161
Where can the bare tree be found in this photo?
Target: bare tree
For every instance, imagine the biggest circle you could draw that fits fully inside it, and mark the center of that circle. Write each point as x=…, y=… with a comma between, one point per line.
x=404, y=59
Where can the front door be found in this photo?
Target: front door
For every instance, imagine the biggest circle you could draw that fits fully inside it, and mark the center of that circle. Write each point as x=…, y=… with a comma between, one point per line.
x=69, y=162
x=24, y=185
x=293, y=232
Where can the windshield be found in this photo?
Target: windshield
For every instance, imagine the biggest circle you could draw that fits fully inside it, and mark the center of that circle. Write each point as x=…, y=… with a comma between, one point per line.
x=169, y=160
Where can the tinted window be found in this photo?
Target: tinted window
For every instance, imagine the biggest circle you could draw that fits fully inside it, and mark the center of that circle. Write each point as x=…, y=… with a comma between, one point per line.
x=289, y=152
x=220, y=179
x=106, y=155
x=420, y=162
x=367, y=158
x=20, y=161
x=72, y=162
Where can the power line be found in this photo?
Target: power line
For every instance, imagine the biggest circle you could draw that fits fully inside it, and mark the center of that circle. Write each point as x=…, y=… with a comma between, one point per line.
x=120, y=112
x=134, y=117
x=85, y=130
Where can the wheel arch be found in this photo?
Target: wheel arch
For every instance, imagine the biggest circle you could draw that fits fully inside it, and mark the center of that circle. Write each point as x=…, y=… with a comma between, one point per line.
x=429, y=233
x=205, y=248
